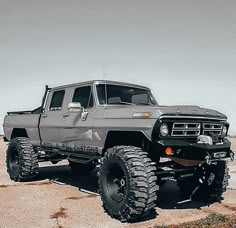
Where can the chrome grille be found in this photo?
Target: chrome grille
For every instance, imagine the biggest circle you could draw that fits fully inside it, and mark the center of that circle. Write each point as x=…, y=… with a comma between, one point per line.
x=186, y=129
x=212, y=129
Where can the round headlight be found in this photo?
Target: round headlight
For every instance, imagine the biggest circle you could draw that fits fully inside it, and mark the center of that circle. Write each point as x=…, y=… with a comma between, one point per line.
x=164, y=131
x=224, y=131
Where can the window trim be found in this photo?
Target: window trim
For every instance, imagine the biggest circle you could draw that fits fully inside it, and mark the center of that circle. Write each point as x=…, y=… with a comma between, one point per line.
x=108, y=105
x=57, y=108
x=90, y=95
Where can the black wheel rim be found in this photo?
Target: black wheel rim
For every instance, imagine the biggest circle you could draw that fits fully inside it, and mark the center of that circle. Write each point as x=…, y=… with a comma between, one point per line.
x=14, y=161
x=116, y=183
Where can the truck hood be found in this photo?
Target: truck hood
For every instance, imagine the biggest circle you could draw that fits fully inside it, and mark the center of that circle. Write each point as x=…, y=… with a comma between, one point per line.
x=118, y=112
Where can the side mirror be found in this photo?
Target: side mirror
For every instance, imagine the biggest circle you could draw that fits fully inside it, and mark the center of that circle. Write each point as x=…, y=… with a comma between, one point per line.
x=75, y=107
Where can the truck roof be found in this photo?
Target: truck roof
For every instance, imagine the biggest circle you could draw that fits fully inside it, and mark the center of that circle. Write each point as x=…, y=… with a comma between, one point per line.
x=100, y=82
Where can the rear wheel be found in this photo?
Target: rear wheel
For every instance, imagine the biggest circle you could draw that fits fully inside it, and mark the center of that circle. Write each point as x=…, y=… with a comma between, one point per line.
x=21, y=160
x=127, y=183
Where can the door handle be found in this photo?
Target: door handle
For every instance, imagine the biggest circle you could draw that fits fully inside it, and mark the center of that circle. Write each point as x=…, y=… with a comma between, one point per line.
x=44, y=115
x=65, y=115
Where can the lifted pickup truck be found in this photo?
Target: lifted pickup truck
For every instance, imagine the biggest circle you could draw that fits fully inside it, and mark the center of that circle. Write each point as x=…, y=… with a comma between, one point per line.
x=135, y=142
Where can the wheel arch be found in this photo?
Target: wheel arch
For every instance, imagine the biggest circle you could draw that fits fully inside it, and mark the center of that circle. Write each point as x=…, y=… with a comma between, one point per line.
x=19, y=132
x=128, y=138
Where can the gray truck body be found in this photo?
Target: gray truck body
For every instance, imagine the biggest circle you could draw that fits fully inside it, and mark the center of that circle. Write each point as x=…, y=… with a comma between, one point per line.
x=120, y=129
x=65, y=130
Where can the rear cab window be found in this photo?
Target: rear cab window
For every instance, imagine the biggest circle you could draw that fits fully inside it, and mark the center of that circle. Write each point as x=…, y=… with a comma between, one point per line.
x=57, y=100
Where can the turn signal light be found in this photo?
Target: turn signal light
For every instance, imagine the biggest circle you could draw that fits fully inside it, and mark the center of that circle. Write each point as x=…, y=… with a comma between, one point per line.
x=142, y=114
x=145, y=114
x=168, y=151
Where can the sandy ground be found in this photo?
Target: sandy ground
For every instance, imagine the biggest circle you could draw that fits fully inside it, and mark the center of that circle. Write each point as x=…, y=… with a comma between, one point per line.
x=43, y=203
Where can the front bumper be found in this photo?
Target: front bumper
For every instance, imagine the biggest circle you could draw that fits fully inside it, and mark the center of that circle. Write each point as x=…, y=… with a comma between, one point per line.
x=196, y=151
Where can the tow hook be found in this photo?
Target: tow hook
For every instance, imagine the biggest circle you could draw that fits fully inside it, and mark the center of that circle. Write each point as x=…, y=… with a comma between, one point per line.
x=208, y=160
x=231, y=155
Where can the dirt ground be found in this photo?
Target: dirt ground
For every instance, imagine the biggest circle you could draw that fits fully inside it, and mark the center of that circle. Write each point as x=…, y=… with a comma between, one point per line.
x=57, y=199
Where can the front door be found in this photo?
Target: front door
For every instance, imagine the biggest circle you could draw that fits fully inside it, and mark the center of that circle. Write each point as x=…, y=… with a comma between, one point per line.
x=77, y=129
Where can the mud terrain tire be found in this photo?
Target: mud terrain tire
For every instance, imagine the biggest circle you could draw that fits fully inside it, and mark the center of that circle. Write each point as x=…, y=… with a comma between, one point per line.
x=21, y=160
x=128, y=184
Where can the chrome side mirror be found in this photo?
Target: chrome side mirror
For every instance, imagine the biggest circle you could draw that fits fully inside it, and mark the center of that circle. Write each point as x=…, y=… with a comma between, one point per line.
x=75, y=107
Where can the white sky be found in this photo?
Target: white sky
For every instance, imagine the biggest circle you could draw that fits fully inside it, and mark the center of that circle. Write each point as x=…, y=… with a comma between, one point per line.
x=184, y=50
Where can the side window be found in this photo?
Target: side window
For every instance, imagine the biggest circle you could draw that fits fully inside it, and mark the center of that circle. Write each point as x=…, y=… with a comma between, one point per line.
x=57, y=100
x=84, y=96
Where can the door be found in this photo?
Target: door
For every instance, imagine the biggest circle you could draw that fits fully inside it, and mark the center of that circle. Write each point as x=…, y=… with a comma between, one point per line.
x=50, y=124
x=78, y=131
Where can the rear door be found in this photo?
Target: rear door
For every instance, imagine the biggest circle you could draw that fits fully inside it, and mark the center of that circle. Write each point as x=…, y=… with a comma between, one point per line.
x=51, y=120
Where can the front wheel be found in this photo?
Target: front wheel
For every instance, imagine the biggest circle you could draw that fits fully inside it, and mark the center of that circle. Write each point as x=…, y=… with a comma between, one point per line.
x=127, y=183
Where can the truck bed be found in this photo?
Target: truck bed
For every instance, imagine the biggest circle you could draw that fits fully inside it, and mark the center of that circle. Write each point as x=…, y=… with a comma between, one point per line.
x=35, y=111
x=27, y=121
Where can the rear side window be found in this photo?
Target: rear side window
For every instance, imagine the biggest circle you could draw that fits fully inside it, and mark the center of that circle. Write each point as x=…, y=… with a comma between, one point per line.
x=84, y=96
x=57, y=100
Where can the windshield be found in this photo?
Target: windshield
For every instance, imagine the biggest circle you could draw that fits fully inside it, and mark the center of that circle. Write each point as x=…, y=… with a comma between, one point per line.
x=124, y=95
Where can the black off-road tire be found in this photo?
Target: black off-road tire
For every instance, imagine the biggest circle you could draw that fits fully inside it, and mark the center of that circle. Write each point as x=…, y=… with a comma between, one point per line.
x=209, y=188
x=137, y=196
x=21, y=160
x=81, y=169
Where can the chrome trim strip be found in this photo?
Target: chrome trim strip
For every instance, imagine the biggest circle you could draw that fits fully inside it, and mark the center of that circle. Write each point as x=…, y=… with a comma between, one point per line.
x=191, y=117
x=209, y=131
x=212, y=124
x=185, y=130
x=186, y=135
x=198, y=125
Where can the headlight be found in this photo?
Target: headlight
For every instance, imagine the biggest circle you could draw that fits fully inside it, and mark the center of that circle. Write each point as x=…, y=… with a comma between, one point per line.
x=224, y=131
x=164, y=131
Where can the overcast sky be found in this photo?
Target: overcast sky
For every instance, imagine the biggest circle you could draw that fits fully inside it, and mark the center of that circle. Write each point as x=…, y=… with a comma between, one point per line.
x=184, y=50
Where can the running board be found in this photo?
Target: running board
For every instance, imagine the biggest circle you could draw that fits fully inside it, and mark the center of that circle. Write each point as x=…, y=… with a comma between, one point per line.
x=46, y=154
